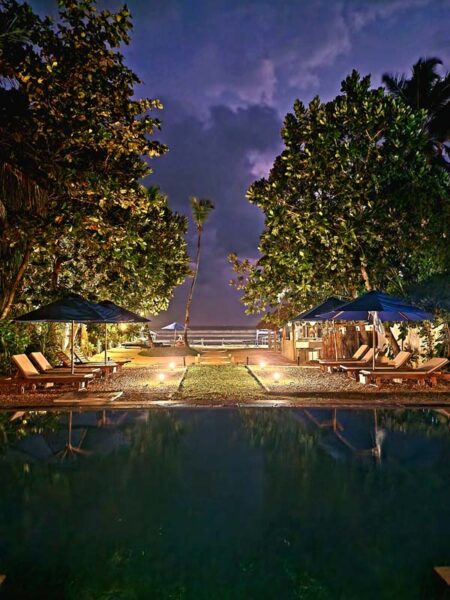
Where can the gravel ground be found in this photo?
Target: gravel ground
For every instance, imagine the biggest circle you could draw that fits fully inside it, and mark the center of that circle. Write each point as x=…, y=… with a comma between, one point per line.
x=295, y=379
x=231, y=385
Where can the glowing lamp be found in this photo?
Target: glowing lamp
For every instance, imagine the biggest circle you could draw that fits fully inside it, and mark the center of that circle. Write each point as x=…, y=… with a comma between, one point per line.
x=172, y=365
x=276, y=376
x=263, y=364
x=161, y=377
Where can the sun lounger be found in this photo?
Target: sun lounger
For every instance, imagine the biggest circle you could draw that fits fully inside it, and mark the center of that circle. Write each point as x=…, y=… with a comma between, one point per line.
x=108, y=369
x=365, y=362
x=396, y=363
x=428, y=372
x=44, y=366
x=29, y=375
x=332, y=362
x=82, y=359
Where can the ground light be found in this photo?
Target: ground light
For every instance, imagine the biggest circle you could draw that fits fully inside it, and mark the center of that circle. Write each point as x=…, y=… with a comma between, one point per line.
x=276, y=376
x=172, y=365
x=161, y=377
x=263, y=364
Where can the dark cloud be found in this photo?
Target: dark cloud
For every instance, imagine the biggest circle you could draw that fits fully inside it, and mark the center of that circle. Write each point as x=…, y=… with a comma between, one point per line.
x=217, y=159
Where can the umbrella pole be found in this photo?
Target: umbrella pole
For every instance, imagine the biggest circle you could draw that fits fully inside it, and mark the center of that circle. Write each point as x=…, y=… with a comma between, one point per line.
x=106, y=344
x=335, y=341
x=72, y=342
x=373, y=340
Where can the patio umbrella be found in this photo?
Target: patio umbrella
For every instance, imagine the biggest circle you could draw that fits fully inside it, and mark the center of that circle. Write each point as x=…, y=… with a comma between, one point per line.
x=376, y=307
x=72, y=309
x=174, y=327
x=315, y=314
x=113, y=313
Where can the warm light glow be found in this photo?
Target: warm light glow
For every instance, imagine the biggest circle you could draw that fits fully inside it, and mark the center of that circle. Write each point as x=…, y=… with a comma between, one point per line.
x=161, y=377
x=123, y=326
x=276, y=376
x=172, y=365
x=263, y=364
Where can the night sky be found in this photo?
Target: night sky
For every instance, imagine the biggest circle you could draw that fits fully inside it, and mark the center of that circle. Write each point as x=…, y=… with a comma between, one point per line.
x=227, y=71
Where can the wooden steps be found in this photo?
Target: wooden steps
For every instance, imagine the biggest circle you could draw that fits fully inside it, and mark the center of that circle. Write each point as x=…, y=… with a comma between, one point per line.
x=215, y=357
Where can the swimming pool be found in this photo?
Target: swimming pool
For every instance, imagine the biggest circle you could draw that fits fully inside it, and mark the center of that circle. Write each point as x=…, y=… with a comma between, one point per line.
x=225, y=504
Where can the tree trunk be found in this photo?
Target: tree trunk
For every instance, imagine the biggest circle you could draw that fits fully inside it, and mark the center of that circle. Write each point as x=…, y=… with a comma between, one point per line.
x=392, y=340
x=11, y=294
x=187, y=315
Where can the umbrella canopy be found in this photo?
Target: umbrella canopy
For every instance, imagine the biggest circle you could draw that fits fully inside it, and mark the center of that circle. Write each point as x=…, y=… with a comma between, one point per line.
x=70, y=308
x=315, y=314
x=376, y=307
x=388, y=308
x=113, y=313
x=174, y=327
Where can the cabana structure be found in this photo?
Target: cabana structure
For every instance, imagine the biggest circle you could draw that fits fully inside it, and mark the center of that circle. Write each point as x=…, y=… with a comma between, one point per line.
x=302, y=336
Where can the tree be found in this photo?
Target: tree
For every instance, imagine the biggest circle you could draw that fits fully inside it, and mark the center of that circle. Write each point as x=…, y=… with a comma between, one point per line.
x=74, y=147
x=201, y=209
x=352, y=202
x=426, y=90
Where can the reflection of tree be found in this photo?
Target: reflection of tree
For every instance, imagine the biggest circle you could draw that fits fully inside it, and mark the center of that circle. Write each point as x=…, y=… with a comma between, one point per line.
x=427, y=422
x=15, y=426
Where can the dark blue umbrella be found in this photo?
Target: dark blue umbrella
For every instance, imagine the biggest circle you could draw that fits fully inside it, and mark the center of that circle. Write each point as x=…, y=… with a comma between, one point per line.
x=316, y=313
x=71, y=308
x=375, y=307
x=388, y=308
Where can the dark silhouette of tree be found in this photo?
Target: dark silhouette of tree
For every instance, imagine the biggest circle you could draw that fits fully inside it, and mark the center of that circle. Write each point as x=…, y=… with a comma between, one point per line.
x=427, y=90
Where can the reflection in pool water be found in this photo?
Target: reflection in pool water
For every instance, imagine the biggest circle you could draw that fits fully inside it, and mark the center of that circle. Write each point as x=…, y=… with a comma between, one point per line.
x=224, y=504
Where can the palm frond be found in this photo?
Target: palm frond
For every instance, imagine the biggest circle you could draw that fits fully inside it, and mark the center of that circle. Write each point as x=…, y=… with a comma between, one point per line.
x=201, y=208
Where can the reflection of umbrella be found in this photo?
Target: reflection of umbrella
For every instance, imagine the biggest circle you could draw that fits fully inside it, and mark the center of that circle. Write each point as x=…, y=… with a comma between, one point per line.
x=315, y=314
x=174, y=327
x=376, y=307
x=113, y=313
x=69, y=309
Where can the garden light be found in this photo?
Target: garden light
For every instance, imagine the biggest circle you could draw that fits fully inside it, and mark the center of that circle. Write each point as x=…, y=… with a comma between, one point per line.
x=276, y=376
x=161, y=377
x=172, y=365
x=263, y=364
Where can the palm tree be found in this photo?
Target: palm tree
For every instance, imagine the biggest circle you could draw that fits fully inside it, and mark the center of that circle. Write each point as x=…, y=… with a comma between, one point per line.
x=426, y=90
x=201, y=208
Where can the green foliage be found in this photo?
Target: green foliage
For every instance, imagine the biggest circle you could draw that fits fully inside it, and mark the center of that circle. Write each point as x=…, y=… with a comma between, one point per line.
x=14, y=339
x=351, y=203
x=75, y=145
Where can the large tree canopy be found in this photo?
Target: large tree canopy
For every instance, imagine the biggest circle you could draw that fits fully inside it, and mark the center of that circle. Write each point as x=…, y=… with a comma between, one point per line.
x=351, y=203
x=74, y=147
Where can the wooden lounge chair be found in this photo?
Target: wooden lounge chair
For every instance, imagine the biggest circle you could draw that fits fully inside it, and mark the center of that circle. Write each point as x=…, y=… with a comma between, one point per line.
x=396, y=363
x=44, y=366
x=365, y=362
x=82, y=359
x=108, y=369
x=428, y=372
x=29, y=375
x=324, y=363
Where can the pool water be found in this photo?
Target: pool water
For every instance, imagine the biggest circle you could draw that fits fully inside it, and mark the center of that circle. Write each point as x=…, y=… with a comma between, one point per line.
x=225, y=504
